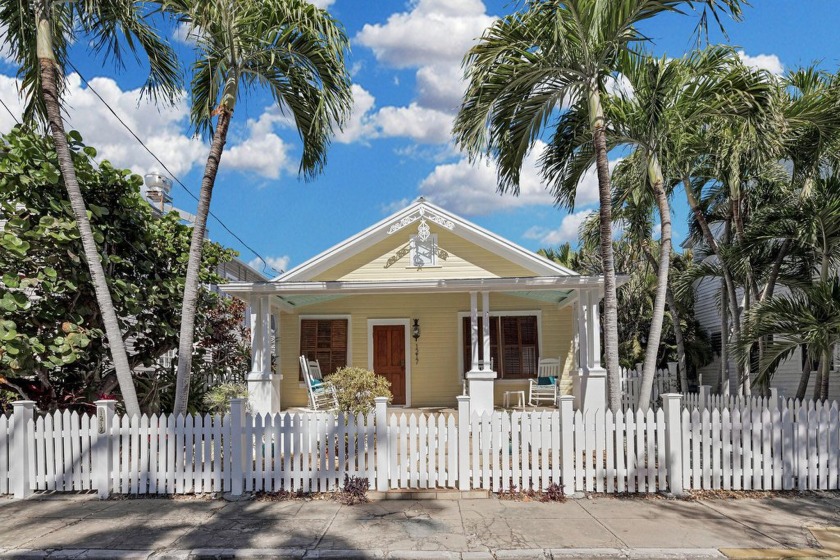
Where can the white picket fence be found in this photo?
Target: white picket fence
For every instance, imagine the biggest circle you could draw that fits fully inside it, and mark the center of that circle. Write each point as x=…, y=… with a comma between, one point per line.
x=664, y=381
x=758, y=446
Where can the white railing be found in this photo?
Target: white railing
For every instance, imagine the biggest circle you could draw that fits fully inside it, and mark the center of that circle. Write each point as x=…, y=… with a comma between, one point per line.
x=757, y=445
x=664, y=381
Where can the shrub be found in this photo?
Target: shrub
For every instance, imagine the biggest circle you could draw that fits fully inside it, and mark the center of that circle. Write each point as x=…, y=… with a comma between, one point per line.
x=354, y=491
x=218, y=398
x=357, y=388
x=554, y=493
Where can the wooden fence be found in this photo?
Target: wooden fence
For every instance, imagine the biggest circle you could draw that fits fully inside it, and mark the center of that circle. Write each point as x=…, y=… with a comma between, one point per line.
x=774, y=445
x=664, y=381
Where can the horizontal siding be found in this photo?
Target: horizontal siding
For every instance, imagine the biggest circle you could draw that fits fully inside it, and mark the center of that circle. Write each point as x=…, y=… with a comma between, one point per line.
x=463, y=260
x=435, y=379
x=707, y=312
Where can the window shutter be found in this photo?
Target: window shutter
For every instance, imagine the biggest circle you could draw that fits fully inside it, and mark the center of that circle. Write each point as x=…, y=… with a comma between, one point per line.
x=324, y=340
x=520, y=346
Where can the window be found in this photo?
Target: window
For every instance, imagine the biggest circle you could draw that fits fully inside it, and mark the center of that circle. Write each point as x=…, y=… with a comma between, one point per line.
x=324, y=340
x=423, y=253
x=514, y=345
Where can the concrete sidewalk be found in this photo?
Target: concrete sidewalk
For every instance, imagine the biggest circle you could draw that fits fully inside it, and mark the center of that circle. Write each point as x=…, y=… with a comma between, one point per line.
x=81, y=526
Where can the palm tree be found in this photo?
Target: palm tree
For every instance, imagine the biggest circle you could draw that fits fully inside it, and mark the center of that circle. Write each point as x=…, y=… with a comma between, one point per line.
x=525, y=69
x=663, y=98
x=288, y=47
x=807, y=316
x=38, y=34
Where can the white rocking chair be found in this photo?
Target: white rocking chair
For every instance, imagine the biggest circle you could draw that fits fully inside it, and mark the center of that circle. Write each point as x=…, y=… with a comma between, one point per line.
x=545, y=387
x=322, y=395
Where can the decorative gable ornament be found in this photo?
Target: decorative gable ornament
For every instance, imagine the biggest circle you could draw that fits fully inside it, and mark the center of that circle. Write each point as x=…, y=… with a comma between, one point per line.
x=421, y=214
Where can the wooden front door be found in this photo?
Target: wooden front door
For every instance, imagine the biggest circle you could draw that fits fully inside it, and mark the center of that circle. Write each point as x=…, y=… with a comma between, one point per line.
x=389, y=358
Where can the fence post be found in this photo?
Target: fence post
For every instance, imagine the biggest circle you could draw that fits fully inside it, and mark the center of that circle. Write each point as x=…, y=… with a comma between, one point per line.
x=102, y=457
x=673, y=441
x=567, y=456
x=382, y=444
x=237, y=446
x=463, y=442
x=20, y=471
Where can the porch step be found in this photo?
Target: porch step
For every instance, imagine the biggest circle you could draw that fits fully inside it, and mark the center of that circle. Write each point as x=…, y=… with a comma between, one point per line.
x=428, y=494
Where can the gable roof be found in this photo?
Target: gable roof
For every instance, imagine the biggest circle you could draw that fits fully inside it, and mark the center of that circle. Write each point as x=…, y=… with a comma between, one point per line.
x=422, y=208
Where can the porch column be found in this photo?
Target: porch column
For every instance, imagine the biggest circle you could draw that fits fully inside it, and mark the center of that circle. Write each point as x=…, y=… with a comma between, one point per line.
x=591, y=383
x=474, y=331
x=485, y=310
x=481, y=379
x=262, y=394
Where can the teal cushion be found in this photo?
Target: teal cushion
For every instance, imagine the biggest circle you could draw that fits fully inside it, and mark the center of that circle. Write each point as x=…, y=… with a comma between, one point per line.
x=546, y=380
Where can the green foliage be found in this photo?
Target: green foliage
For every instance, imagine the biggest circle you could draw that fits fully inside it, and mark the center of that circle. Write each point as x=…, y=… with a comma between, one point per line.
x=52, y=346
x=218, y=398
x=357, y=388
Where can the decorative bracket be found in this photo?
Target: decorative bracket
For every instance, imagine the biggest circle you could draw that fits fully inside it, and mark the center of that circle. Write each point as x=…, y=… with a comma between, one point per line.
x=421, y=214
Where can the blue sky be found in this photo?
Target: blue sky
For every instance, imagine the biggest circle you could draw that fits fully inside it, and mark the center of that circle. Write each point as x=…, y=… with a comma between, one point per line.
x=405, y=62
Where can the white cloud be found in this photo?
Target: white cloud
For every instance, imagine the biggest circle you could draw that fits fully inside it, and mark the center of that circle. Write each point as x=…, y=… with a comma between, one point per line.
x=432, y=37
x=360, y=125
x=163, y=129
x=185, y=34
x=471, y=188
x=322, y=3
x=418, y=123
x=280, y=264
x=5, y=48
x=266, y=155
x=433, y=31
x=568, y=230
x=769, y=62
x=440, y=86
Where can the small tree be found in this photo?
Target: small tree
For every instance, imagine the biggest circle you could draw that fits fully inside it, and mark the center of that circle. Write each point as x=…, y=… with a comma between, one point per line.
x=357, y=388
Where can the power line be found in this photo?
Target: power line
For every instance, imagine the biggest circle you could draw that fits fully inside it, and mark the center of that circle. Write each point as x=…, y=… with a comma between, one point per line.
x=175, y=177
x=10, y=112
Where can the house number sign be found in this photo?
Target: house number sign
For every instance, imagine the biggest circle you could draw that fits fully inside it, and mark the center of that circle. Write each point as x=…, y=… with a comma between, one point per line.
x=100, y=418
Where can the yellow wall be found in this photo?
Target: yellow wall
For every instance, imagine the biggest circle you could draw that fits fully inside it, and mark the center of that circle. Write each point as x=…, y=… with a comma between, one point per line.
x=464, y=260
x=435, y=380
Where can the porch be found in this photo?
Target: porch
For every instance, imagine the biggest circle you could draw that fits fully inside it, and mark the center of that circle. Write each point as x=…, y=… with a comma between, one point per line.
x=436, y=333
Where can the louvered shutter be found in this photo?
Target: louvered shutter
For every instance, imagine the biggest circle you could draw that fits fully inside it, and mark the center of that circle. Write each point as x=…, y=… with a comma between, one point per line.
x=324, y=340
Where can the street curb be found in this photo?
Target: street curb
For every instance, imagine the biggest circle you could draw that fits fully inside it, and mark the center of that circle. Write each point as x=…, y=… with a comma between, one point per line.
x=314, y=554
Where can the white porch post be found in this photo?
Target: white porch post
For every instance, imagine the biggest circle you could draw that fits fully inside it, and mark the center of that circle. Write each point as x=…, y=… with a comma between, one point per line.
x=474, y=331
x=590, y=386
x=485, y=312
x=481, y=380
x=263, y=396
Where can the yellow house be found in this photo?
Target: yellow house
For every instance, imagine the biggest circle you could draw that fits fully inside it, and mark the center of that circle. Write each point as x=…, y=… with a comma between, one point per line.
x=422, y=297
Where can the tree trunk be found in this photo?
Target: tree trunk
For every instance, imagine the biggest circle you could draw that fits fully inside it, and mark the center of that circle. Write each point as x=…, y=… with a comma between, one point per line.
x=725, y=374
x=655, y=333
x=825, y=372
x=49, y=74
x=599, y=138
x=682, y=360
x=191, y=283
x=806, y=374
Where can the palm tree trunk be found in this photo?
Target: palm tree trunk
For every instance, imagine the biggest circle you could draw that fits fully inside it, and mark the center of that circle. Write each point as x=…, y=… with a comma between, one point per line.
x=806, y=374
x=655, y=333
x=605, y=218
x=682, y=360
x=826, y=371
x=725, y=373
x=191, y=283
x=731, y=292
x=49, y=74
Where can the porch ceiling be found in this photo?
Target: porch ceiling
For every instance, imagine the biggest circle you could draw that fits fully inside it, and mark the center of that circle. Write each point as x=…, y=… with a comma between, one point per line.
x=558, y=296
